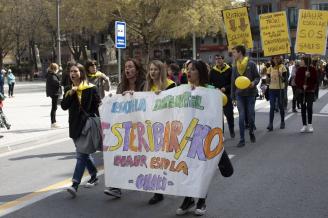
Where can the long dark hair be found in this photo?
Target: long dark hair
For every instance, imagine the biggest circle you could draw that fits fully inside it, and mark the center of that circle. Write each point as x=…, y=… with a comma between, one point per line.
x=81, y=68
x=202, y=71
x=279, y=62
x=141, y=76
x=307, y=60
x=90, y=63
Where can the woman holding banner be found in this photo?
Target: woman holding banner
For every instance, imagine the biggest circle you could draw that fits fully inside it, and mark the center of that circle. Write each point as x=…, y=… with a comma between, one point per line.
x=156, y=81
x=198, y=77
x=306, y=81
x=276, y=74
x=82, y=101
x=133, y=81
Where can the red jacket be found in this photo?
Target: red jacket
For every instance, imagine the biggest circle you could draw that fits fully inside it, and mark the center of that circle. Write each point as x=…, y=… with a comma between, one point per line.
x=311, y=81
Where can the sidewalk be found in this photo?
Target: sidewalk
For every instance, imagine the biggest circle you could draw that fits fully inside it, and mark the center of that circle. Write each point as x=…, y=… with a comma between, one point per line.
x=29, y=115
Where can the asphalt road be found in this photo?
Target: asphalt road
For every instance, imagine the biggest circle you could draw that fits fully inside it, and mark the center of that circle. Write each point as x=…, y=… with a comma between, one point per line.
x=283, y=174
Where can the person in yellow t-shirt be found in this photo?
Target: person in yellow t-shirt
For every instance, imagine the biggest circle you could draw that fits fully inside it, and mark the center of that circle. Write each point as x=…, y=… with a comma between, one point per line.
x=276, y=74
x=157, y=81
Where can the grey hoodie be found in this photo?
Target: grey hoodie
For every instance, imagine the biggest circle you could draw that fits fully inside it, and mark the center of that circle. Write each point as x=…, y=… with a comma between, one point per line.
x=252, y=74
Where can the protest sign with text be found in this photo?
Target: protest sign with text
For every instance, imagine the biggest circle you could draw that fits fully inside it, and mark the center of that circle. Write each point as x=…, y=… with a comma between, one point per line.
x=236, y=22
x=169, y=143
x=274, y=33
x=312, y=32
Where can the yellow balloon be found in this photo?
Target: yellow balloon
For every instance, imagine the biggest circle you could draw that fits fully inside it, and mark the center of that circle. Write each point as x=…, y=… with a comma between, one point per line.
x=242, y=82
x=224, y=99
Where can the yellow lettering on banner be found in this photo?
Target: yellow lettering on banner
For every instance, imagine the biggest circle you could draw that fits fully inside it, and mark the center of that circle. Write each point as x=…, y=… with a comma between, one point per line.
x=237, y=26
x=118, y=136
x=274, y=33
x=312, y=29
x=186, y=137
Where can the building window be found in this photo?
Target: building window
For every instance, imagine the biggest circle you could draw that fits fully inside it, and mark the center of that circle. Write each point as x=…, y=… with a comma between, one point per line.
x=262, y=9
x=292, y=14
x=202, y=41
x=321, y=6
x=215, y=40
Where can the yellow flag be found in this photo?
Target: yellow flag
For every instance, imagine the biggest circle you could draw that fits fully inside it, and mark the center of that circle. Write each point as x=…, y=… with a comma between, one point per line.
x=274, y=33
x=312, y=32
x=236, y=22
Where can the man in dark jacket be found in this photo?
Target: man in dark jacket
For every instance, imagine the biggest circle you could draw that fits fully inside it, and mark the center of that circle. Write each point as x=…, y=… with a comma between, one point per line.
x=220, y=77
x=245, y=97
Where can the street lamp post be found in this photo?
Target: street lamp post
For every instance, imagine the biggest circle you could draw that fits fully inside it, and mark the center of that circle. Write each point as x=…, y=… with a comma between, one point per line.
x=58, y=35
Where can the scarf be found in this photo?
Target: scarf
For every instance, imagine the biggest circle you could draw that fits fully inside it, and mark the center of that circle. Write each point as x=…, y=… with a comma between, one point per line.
x=242, y=65
x=221, y=70
x=97, y=74
x=83, y=86
x=155, y=88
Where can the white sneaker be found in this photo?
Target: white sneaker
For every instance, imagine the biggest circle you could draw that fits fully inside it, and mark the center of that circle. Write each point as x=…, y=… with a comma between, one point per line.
x=310, y=128
x=55, y=126
x=304, y=129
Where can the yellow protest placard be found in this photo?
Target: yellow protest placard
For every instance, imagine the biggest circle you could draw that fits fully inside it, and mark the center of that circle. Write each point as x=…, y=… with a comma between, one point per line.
x=312, y=32
x=274, y=33
x=237, y=27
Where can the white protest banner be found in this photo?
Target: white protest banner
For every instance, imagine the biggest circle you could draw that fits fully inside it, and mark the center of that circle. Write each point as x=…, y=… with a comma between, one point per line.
x=169, y=143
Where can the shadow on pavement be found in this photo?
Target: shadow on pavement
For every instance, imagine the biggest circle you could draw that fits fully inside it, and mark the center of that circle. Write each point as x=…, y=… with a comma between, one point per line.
x=69, y=155
x=28, y=130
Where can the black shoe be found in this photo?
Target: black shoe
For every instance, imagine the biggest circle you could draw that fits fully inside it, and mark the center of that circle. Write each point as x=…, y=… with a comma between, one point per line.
x=186, y=205
x=73, y=189
x=294, y=110
x=282, y=125
x=232, y=134
x=115, y=192
x=92, y=182
x=200, y=208
x=241, y=144
x=270, y=127
x=252, y=136
x=156, y=198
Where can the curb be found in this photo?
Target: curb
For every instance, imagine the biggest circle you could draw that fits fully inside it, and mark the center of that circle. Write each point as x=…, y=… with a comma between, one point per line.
x=32, y=141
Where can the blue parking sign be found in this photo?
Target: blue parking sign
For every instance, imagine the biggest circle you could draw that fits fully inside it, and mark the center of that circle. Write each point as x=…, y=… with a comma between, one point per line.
x=120, y=34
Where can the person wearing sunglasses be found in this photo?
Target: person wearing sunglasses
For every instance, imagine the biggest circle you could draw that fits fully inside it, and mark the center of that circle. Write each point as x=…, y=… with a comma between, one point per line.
x=99, y=79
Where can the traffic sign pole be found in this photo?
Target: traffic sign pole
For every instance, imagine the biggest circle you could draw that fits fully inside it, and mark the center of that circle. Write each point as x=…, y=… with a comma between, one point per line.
x=119, y=65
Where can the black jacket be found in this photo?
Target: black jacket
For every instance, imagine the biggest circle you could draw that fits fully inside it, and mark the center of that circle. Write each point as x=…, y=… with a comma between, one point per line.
x=53, y=85
x=90, y=102
x=221, y=79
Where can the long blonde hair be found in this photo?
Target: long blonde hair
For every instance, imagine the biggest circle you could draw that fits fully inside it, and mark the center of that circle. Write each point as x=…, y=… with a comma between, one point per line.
x=162, y=76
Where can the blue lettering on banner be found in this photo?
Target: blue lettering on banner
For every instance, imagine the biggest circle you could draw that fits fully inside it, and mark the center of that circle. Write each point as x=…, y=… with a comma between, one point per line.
x=130, y=106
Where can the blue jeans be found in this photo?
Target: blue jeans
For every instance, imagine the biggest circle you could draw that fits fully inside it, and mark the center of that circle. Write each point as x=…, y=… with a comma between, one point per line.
x=246, y=103
x=83, y=161
x=275, y=94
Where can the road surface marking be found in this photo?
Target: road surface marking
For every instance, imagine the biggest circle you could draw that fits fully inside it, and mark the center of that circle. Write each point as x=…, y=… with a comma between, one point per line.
x=12, y=152
x=324, y=110
x=41, y=194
